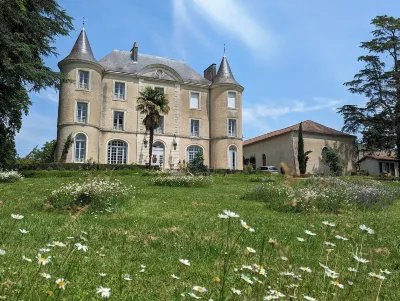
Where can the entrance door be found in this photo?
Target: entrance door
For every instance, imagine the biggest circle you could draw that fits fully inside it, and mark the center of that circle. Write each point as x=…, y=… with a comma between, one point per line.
x=158, y=154
x=232, y=157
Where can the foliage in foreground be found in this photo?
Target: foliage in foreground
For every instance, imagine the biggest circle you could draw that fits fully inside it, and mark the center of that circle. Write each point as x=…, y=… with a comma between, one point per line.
x=97, y=194
x=183, y=181
x=10, y=176
x=347, y=266
x=329, y=194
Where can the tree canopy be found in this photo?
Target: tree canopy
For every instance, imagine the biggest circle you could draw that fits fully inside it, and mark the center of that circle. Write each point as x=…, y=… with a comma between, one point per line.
x=379, y=81
x=152, y=103
x=28, y=29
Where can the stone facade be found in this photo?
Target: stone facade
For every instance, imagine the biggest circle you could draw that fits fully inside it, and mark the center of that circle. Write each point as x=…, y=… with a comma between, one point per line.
x=89, y=113
x=281, y=146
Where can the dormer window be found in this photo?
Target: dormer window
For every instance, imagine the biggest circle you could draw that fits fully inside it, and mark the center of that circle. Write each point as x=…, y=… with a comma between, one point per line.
x=119, y=90
x=83, y=82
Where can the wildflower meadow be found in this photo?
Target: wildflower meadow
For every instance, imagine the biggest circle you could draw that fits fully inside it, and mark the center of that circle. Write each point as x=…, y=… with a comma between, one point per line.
x=187, y=242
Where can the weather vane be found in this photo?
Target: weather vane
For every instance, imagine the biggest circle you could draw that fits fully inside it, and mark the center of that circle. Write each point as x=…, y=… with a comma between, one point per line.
x=224, y=49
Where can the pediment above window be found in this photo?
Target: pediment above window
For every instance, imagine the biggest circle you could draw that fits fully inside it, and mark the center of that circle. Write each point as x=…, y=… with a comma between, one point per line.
x=160, y=72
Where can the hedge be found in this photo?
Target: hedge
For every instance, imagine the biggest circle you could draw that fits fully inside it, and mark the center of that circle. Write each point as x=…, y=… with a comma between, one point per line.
x=79, y=166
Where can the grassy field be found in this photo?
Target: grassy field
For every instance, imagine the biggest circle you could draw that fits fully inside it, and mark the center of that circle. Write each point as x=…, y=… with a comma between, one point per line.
x=160, y=225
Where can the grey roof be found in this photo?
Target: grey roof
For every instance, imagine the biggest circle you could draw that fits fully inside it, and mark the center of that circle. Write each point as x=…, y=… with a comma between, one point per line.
x=224, y=74
x=81, y=50
x=121, y=61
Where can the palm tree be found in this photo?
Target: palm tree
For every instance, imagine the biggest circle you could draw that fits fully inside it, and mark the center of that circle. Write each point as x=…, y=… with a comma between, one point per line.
x=152, y=103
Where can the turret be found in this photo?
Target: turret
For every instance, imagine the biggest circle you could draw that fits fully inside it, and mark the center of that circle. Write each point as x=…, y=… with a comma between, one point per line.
x=80, y=101
x=226, y=119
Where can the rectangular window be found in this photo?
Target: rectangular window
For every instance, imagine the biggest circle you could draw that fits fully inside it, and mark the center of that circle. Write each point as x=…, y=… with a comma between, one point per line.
x=194, y=100
x=194, y=128
x=160, y=129
x=83, y=80
x=232, y=127
x=119, y=90
x=159, y=89
x=232, y=100
x=81, y=112
x=118, y=120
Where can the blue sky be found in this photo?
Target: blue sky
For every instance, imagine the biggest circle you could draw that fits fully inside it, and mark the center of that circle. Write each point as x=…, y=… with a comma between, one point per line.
x=291, y=56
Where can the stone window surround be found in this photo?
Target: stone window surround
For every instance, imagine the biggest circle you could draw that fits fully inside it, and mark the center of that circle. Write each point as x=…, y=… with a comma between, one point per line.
x=87, y=113
x=236, y=127
x=163, y=126
x=227, y=99
x=186, y=151
x=124, y=117
x=127, y=148
x=199, y=104
x=86, y=147
x=89, y=81
x=190, y=127
x=126, y=90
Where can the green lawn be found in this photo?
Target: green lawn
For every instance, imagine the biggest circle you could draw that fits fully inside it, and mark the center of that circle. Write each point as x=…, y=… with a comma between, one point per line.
x=161, y=225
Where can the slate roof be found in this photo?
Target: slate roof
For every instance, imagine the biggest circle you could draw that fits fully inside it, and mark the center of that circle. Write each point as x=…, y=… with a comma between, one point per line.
x=81, y=50
x=308, y=126
x=224, y=74
x=121, y=61
x=381, y=158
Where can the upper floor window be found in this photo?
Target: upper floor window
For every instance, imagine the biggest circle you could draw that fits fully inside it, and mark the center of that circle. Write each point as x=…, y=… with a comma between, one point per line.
x=160, y=128
x=232, y=128
x=119, y=90
x=194, y=100
x=83, y=80
x=81, y=112
x=159, y=89
x=80, y=148
x=118, y=120
x=194, y=127
x=232, y=100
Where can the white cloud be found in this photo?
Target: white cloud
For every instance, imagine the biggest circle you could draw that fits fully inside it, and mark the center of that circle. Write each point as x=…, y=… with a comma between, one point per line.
x=227, y=16
x=271, y=110
x=47, y=94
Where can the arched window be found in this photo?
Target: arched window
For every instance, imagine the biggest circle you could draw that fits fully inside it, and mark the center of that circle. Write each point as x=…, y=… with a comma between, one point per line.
x=117, y=150
x=191, y=151
x=80, y=148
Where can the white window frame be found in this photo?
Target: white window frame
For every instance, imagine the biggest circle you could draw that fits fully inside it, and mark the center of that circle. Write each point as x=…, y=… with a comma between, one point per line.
x=78, y=83
x=236, y=156
x=113, y=118
x=159, y=87
x=157, y=131
x=125, y=90
x=188, y=154
x=190, y=127
x=198, y=103
x=74, y=148
x=235, y=134
x=126, y=151
x=227, y=99
x=87, y=111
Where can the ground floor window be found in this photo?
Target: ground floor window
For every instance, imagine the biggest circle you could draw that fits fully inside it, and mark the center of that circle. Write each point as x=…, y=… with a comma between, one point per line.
x=191, y=151
x=80, y=148
x=117, y=152
x=387, y=167
x=232, y=157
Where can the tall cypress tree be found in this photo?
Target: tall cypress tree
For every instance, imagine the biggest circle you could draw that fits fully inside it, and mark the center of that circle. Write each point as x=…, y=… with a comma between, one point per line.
x=300, y=151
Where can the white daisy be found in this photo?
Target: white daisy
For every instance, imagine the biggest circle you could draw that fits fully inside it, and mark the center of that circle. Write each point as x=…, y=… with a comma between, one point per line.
x=175, y=277
x=306, y=269
x=366, y=229
x=309, y=298
x=58, y=244
x=43, y=260
x=341, y=237
x=127, y=277
x=246, y=226
x=310, y=233
x=44, y=250
x=359, y=259
x=193, y=295
x=23, y=231
x=17, y=216
x=230, y=213
x=329, y=244
x=300, y=239
x=61, y=283
x=2, y=252
x=236, y=291
x=104, y=292
x=246, y=278
x=328, y=224
x=250, y=250
x=337, y=284
x=185, y=262
x=45, y=275
x=223, y=216
x=386, y=271
x=379, y=276
x=199, y=289
x=350, y=269
x=26, y=258
x=80, y=247
x=102, y=274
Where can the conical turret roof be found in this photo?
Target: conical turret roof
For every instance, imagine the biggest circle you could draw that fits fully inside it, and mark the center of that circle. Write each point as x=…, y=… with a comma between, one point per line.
x=81, y=50
x=224, y=74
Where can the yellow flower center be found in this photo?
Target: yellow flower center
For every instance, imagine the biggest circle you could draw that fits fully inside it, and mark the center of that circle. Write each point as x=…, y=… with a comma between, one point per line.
x=61, y=284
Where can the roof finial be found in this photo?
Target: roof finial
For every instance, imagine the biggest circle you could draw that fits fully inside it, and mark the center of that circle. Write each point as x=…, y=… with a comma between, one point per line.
x=224, y=50
x=83, y=23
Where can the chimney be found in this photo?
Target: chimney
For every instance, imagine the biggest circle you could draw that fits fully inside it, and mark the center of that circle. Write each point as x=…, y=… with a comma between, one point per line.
x=210, y=72
x=134, y=52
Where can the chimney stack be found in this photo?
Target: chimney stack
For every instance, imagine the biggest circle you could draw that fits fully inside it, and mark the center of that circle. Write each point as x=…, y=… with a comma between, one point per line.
x=210, y=72
x=134, y=52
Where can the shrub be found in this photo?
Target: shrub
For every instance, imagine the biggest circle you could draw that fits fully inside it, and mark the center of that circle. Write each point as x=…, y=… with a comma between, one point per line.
x=197, y=164
x=183, y=181
x=10, y=176
x=97, y=194
x=332, y=158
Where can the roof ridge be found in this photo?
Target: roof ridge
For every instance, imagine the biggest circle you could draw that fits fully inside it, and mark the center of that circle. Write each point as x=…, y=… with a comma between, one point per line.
x=146, y=54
